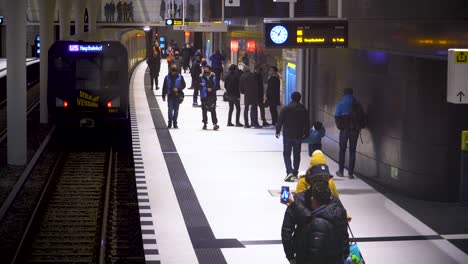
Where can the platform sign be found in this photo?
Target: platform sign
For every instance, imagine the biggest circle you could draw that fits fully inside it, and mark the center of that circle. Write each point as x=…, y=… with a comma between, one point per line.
x=203, y=27
x=306, y=33
x=457, y=76
x=174, y=22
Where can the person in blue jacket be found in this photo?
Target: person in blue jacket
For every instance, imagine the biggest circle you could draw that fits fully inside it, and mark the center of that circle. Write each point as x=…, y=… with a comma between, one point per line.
x=217, y=60
x=315, y=137
x=173, y=85
x=208, y=96
x=349, y=130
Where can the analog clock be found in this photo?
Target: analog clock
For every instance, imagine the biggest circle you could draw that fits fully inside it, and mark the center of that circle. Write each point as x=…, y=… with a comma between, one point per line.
x=279, y=34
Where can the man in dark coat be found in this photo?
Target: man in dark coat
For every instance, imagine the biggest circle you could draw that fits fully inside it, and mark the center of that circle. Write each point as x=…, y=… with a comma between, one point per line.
x=112, y=10
x=248, y=86
x=217, y=60
x=231, y=83
x=273, y=94
x=261, y=95
x=196, y=70
x=315, y=226
x=186, y=54
x=154, y=64
x=294, y=121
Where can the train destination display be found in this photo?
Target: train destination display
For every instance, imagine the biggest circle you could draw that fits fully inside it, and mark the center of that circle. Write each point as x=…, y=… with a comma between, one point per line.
x=315, y=33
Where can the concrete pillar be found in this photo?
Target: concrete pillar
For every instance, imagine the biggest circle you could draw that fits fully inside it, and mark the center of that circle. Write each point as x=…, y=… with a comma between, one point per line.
x=92, y=7
x=16, y=82
x=79, y=7
x=46, y=31
x=64, y=7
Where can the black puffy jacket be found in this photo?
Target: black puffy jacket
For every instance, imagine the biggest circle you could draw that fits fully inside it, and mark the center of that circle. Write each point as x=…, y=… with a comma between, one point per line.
x=324, y=239
x=315, y=236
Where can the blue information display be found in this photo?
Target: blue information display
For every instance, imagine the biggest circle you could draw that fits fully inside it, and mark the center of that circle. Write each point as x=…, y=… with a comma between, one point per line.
x=306, y=33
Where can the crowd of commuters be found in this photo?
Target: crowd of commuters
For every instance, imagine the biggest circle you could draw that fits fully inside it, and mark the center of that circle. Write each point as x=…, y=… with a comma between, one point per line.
x=315, y=225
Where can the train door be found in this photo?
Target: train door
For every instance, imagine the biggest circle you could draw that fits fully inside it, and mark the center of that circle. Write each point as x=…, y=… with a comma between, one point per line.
x=290, y=81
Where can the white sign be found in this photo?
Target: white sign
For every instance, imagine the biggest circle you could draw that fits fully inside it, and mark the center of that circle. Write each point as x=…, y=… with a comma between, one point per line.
x=231, y=2
x=203, y=27
x=457, y=76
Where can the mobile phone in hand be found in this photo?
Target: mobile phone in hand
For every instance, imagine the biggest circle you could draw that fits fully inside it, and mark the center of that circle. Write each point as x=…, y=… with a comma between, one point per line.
x=285, y=194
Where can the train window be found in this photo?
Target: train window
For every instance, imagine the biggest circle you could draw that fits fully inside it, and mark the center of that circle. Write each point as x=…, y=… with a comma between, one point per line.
x=110, y=72
x=88, y=74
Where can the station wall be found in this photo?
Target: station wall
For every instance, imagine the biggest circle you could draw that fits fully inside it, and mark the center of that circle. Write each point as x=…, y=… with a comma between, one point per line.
x=412, y=142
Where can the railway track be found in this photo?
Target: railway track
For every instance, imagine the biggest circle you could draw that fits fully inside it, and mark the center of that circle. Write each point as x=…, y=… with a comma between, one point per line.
x=69, y=224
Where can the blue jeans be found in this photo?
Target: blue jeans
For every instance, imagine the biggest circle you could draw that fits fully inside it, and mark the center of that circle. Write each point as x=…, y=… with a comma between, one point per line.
x=352, y=136
x=294, y=146
x=173, y=110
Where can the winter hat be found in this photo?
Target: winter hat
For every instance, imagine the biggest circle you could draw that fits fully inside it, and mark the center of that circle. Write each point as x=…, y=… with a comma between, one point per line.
x=318, y=170
x=317, y=158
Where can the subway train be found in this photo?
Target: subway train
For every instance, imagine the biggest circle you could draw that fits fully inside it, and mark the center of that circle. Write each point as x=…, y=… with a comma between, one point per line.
x=87, y=84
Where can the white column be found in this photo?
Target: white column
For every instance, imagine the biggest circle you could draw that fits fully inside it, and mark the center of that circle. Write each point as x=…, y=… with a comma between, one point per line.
x=291, y=9
x=78, y=15
x=64, y=7
x=16, y=82
x=46, y=32
x=92, y=7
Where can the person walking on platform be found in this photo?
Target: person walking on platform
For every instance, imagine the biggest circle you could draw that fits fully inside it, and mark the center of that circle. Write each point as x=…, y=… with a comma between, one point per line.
x=272, y=97
x=173, y=85
x=154, y=64
x=196, y=70
x=261, y=93
x=217, y=60
x=294, y=122
x=130, y=12
x=231, y=84
x=208, y=97
x=248, y=86
x=177, y=60
x=349, y=119
x=125, y=11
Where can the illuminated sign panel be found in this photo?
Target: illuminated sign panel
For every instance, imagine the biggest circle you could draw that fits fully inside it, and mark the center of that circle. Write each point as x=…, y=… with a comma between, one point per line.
x=174, y=22
x=312, y=33
x=85, y=48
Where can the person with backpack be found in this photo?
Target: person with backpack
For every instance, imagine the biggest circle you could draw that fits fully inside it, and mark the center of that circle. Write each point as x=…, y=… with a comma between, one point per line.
x=320, y=233
x=349, y=119
x=173, y=85
x=208, y=97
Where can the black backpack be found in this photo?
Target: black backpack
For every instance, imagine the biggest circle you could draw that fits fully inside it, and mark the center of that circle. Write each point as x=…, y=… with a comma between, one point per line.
x=358, y=116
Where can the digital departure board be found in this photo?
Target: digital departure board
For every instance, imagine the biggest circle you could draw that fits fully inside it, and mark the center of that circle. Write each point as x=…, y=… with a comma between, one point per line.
x=309, y=33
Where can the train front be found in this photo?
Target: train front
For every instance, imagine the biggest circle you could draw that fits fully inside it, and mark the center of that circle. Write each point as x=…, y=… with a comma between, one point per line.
x=88, y=83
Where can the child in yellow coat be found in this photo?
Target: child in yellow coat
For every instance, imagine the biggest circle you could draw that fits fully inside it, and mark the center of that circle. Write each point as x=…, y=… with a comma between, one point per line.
x=317, y=158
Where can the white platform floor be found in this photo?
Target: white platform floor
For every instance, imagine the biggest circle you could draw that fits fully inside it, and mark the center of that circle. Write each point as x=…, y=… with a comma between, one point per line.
x=233, y=191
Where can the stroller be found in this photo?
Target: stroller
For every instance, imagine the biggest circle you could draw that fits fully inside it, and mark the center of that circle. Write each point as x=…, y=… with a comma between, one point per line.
x=355, y=256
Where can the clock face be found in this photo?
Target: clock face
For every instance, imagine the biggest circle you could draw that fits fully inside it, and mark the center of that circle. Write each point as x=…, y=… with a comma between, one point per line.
x=279, y=34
